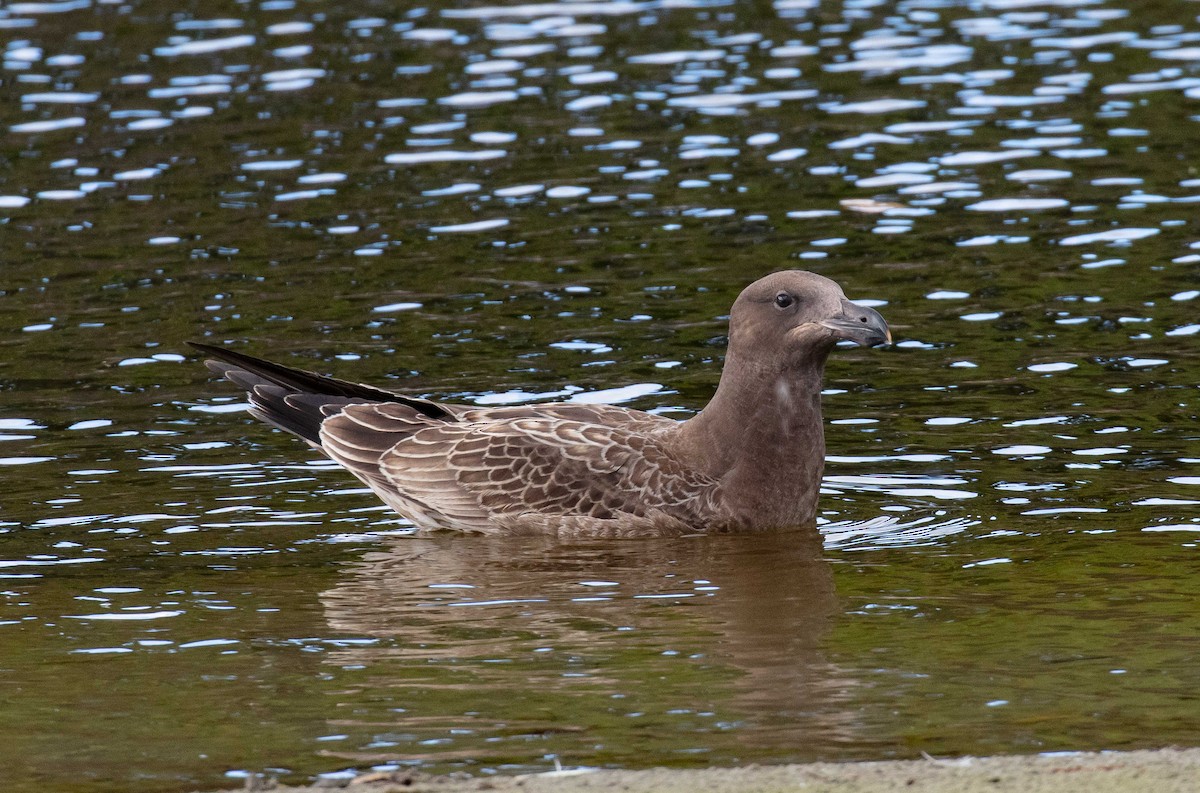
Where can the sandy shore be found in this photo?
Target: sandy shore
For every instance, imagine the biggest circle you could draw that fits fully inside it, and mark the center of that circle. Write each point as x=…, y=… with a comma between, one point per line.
x=1159, y=771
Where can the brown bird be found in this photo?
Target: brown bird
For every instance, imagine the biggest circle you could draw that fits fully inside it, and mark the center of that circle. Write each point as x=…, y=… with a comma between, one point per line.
x=750, y=461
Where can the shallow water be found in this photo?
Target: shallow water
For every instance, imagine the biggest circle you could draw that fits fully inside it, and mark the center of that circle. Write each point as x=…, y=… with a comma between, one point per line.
x=499, y=204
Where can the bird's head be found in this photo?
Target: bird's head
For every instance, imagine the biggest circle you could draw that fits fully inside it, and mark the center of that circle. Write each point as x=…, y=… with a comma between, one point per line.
x=798, y=315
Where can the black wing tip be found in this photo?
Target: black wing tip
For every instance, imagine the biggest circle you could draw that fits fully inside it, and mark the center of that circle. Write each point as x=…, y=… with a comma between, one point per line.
x=204, y=347
x=302, y=380
x=215, y=353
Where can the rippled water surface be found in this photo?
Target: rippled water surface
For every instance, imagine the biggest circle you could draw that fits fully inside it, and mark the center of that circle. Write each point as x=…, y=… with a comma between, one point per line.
x=560, y=200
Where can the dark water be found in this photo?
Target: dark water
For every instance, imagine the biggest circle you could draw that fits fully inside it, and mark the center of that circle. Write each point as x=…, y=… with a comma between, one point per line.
x=498, y=204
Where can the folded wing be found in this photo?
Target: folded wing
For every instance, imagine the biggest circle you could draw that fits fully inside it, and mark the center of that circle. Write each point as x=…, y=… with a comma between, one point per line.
x=490, y=474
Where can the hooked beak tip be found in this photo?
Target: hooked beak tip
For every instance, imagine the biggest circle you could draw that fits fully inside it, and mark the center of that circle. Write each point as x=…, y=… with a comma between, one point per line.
x=861, y=325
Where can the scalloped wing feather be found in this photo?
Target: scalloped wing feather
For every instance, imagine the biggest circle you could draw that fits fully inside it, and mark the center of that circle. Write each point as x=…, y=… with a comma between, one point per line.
x=517, y=473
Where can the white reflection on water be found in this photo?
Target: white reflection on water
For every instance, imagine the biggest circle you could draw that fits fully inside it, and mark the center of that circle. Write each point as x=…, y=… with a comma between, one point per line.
x=887, y=531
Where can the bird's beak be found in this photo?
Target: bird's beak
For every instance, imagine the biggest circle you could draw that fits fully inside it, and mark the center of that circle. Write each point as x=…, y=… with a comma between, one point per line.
x=860, y=325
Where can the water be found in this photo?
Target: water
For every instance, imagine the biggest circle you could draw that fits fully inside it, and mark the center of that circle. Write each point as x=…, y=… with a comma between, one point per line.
x=495, y=204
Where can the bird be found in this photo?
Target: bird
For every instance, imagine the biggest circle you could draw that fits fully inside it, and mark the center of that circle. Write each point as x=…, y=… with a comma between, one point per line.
x=750, y=461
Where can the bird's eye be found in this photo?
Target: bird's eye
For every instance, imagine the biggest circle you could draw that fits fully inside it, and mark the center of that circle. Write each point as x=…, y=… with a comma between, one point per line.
x=783, y=300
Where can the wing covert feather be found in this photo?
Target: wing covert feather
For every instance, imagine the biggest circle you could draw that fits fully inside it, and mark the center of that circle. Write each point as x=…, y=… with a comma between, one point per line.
x=549, y=467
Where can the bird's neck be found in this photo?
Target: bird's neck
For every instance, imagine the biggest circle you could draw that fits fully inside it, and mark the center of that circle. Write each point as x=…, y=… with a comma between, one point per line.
x=762, y=436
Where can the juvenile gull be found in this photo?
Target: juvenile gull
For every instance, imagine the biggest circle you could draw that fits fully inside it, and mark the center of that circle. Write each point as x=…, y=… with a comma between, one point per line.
x=750, y=461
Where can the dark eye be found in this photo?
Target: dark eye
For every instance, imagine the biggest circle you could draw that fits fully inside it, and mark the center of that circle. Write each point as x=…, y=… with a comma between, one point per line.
x=783, y=300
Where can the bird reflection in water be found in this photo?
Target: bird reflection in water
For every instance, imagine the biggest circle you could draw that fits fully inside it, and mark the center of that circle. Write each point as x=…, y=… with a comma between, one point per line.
x=582, y=628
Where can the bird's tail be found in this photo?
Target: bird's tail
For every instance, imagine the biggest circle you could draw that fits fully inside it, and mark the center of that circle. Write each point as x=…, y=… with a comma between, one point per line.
x=298, y=401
